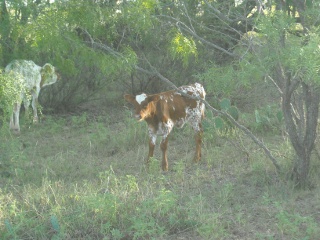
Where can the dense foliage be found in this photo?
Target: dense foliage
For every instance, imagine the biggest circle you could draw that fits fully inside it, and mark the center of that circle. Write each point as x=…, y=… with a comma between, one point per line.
x=234, y=47
x=80, y=175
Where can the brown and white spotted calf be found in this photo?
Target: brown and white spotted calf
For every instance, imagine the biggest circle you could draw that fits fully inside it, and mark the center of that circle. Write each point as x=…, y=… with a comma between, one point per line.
x=165, y=110
x=32, y=77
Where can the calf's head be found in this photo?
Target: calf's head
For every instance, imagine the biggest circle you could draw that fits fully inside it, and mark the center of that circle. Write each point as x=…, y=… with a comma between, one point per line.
x=144, y=105
x=48, y=75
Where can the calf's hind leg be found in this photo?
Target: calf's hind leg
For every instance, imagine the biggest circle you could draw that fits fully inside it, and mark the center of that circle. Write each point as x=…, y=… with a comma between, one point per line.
x=164, y=146
x=151, y=149
x=198, y=138
x=14, y=119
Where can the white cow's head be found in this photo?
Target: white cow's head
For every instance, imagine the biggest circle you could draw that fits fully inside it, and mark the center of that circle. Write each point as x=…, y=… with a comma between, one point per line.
x=48, y=75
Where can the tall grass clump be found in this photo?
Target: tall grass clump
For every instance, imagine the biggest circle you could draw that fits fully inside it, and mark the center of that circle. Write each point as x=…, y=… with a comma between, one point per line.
x=107, y=207
x=82, y=177
x=134, y=133
x=10, y=156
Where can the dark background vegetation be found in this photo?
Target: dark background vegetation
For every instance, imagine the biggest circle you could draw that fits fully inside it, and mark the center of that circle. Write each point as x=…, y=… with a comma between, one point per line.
x=81, y=167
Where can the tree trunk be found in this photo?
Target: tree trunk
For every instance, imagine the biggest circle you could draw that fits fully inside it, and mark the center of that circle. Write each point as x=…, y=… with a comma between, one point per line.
x=300, y=105
x=300, y=170
x=6, y=41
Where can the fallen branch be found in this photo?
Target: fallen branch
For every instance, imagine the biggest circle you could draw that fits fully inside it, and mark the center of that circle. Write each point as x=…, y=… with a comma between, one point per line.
x=217, y=112
x=154, y=71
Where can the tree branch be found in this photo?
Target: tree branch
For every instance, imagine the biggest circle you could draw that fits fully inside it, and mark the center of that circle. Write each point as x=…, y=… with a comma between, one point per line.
x=223, y=113
x=183, y=26
x=218, y=14
x=218, y=112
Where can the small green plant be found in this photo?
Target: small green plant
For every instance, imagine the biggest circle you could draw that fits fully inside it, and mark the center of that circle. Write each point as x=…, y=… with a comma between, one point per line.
x=10, y=229
x=80, y=121
x=153, y=166
x=134, y=133
x=213, y=227
x=221, y=123
x=49, y=124
x=293, y=224
x=10, y=154
x=179, y=167
x=63, y=182
x=56, y=227
x=225, y=105
x=145, y=223
x=269, y=118
x=116, y=234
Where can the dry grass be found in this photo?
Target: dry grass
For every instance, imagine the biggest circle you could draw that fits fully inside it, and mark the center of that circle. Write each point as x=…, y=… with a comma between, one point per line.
x=83, y=177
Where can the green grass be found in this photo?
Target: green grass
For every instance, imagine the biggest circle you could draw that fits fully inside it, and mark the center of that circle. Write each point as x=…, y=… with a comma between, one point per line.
x=83, y=177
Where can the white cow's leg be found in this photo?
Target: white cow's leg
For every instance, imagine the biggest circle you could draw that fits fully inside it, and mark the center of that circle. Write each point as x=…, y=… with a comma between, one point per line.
x=26, y=104
x=11, y=121
x=34, y=107
x=14, y=119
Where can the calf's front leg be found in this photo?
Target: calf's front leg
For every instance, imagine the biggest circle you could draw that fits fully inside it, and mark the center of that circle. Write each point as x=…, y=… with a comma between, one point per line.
x=152, y=143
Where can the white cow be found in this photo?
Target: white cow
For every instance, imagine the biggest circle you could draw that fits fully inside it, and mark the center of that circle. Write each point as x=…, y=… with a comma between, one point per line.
x=33, y=78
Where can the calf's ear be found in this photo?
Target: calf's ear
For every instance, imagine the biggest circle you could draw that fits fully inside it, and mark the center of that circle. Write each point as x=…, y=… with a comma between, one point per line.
x=129, y=98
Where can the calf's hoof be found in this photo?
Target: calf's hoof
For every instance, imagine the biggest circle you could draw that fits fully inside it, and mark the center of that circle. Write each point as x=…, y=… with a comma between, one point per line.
x=165, y=168
x=197, y=159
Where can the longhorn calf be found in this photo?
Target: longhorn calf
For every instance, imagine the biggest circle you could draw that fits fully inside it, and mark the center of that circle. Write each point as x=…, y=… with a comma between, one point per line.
x=165, y=110
x=32, y=77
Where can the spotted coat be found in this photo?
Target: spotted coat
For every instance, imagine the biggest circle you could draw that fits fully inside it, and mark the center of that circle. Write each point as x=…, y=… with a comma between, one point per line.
x=165, y=110
x=32, y=77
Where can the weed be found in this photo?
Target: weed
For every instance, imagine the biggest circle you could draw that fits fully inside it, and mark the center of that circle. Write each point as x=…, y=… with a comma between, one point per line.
x=295, y=225
x=213, y=227
x=84, y=178
x=10, y=230
x=80, y=121
x=153, y=166
x=269, y=118
x=56, y=227
x=179, y=168
x=116, y=234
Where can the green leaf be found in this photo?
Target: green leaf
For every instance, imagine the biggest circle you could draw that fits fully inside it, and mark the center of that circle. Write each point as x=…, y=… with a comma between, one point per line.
x=279, y=115
x=55, y=223
x=258, y=117
x=183, y=48
x=219, y=123
x=9, y=227
x=234, y=112
x=225, y=104
x=209, y=115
